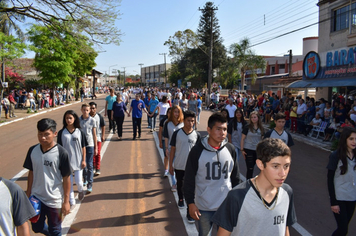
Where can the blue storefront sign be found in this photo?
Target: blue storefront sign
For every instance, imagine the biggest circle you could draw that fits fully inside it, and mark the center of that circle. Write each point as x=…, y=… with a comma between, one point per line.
x=311, y=65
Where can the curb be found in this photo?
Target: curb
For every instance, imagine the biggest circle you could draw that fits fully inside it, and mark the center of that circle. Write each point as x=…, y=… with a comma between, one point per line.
x=38, y=113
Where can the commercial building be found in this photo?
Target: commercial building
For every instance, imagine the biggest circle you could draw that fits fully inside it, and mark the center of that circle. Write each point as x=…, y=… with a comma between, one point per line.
x=333, y=67
x=155, y=75
x=279, y=72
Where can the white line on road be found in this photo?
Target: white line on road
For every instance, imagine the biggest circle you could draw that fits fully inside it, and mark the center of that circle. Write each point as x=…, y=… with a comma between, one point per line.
x=191, y=229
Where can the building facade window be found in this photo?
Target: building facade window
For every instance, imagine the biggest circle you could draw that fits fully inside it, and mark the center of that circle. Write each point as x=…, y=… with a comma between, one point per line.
x=340, y=17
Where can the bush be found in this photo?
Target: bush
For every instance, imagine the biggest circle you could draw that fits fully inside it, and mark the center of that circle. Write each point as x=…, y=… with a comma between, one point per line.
x=334, y=144
x=272, y=125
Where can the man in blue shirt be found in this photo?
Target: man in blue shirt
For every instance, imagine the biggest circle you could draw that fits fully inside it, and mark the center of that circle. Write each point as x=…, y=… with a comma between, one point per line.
x=137, y=106
x=147, y=100
x=108, y=109
x=151, y=107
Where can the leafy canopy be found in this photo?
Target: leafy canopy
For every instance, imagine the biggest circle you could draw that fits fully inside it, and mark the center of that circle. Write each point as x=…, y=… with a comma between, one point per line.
x=96, y=18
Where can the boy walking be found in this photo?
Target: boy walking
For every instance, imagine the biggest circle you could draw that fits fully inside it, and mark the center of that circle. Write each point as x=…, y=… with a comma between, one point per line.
x=88, y=126
x=210, y=173
x=181, y=143
x=48, y=178
x=137, y=106
x=262, y=205
x=279, y=132
x=100, y=135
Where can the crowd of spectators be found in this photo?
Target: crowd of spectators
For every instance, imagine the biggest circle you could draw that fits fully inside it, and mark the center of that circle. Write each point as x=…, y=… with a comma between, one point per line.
x=34, y=99
x=301, y=114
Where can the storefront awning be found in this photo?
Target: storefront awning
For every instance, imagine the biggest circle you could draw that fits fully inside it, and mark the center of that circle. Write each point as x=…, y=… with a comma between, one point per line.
x=332, y=82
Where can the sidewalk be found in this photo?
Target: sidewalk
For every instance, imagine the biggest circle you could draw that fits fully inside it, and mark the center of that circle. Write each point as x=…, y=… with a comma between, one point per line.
x=22, y=114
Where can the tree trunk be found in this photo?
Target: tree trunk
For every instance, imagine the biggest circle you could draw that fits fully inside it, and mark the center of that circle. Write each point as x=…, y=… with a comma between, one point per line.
x=242, y=86
x=54, y=95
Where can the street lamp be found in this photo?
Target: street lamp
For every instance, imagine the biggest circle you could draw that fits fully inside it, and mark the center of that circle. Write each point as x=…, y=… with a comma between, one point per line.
x=165, y=67
x=141, y=64
x=109, y=69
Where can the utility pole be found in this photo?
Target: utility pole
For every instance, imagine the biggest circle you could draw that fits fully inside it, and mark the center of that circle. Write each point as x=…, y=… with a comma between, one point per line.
x=141, y=64
x=124, y=74
x=210, y=70
x=290, y=63
x=93, y=74
x=165, y=67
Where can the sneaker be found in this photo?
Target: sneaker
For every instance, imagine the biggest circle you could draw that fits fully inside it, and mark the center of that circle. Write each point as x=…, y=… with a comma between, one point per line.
x=181, y=203
x=85, y=183
x=190, y=219
x=151, y=130
x=174, y=188
x=94, y=171
x=81, y=196
x=139, y=136
x=97, y=172
x=133, y=138
x=166, y=173
x=89, y=190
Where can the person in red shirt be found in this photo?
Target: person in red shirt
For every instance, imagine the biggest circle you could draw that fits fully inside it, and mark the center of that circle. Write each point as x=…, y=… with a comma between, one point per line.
x=12, y=104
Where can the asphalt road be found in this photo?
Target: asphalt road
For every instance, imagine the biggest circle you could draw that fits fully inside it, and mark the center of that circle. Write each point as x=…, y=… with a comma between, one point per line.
x=131, y=197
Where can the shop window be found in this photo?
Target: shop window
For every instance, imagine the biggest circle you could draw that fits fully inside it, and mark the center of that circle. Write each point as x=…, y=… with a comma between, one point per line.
x=340, y=17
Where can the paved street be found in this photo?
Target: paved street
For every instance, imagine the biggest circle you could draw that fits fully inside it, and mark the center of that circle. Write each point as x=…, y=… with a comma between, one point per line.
x=131, y=197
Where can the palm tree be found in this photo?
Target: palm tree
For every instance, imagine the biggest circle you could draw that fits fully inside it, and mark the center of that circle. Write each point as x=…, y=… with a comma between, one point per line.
x=6, y=26
x=246, y=60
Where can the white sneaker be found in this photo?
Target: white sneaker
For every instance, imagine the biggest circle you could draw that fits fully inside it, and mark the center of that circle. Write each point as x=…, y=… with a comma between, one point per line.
x=166, y=173
x=174, y=188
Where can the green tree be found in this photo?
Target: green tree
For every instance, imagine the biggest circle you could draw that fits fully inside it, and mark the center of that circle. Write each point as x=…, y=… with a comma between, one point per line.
x=209, y=23
x=55, y=54
x=246, y=60
x=96, y=18
x=180, y=43
x=229, y=75
x=10, y=47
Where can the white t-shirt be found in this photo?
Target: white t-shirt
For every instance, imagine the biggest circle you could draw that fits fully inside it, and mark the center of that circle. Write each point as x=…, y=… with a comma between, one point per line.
x=231, y=110
x=163, y=107
x=353, y=116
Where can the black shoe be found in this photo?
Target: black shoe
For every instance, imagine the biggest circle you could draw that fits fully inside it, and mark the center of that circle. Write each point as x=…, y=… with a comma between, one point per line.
x=181, y=203
x=134, y=138
x=190, y=219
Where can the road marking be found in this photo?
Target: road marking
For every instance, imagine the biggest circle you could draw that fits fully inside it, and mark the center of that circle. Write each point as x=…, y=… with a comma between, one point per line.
x=130, y=190
x=191, y=229
x=141, y=187
x=19, y=175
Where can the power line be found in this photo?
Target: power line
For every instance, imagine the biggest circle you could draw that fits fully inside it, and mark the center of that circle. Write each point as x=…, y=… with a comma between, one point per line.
x=254, y=29
x=258, y=20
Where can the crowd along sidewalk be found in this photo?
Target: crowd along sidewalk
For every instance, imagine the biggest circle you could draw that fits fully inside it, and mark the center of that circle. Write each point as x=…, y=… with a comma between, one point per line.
x=22, y=114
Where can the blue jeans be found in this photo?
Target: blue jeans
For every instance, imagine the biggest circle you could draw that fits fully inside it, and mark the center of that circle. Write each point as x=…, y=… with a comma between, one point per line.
x=33, y=103
x=54, y=221
x=204, y=224
x=88, y=171
x=198, y=115
x=152, y=120
x=81, y=97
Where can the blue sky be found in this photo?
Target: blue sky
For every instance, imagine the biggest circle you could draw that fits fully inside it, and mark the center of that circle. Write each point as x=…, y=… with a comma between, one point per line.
x=147, y=24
